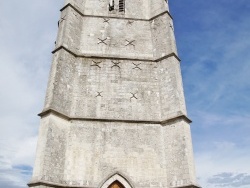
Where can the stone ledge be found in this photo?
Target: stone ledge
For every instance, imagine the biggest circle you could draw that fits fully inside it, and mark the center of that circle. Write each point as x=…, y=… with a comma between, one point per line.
x=54, y=185
x=68, y=118
x=114, y=58
x=97, y=16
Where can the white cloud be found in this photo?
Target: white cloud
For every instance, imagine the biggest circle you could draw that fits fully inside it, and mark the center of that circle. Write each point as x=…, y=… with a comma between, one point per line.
x=230, y=179
x=224, y=157
x=27, y=32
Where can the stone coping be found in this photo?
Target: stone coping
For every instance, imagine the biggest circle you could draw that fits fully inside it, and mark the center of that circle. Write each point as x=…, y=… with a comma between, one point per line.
x=115, y=17
x=56, y=185
x=68, y=118
x=113, y=57
x=51, y=184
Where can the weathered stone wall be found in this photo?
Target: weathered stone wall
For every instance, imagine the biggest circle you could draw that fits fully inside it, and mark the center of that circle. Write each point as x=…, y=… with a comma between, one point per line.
x=85, y=153
x=69, y=33
x=98, y=149
x=104, y=36
x=157, y=7
x=116, y=89
x=179, y=154
x=61, y=83
x=171, y=89
x=51, y=150
x=116, y=37
x=163, y=36
x=134, y=86
x=121, y=38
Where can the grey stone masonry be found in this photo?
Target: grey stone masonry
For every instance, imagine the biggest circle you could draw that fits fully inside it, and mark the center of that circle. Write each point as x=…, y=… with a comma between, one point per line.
x=115, y=107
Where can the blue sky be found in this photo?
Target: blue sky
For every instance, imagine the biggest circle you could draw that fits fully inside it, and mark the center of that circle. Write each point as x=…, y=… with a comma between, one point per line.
x=213, y=43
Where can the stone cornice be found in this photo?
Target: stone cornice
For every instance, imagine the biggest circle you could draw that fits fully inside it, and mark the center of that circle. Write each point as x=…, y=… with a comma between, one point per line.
x=68, y=118
x=113, y=57
x=54, y=185
x=114, y=17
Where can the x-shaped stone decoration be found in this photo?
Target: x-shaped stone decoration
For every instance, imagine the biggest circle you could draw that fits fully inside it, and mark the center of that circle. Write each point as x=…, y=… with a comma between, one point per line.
x=61, y=20
x=106, y=20
x=130, y=22
x=75, y=14
x=102, y=41
x=99, y=94
x=115, y=64
x=96, y=64
x=133, y=96
x=137, y=66
x=130, y=42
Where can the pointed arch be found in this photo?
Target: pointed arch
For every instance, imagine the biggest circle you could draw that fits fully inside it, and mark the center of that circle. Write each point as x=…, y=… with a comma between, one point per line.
x=116, y=179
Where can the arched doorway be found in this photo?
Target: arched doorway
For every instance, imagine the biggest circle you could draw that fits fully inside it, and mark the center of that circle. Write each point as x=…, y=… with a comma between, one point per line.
x=116, y=181
x=116, y=184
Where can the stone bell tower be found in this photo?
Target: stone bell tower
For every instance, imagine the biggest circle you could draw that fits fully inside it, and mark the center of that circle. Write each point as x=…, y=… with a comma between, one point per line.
x=115, y=115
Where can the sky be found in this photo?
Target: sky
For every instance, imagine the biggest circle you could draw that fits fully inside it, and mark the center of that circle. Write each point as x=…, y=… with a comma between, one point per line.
x=213, y=40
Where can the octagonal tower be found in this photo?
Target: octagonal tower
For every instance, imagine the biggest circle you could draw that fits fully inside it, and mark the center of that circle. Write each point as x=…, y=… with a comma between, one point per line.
x=114, y=114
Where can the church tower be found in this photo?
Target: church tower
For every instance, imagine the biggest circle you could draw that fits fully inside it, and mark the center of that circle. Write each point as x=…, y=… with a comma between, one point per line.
x=114, y=114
